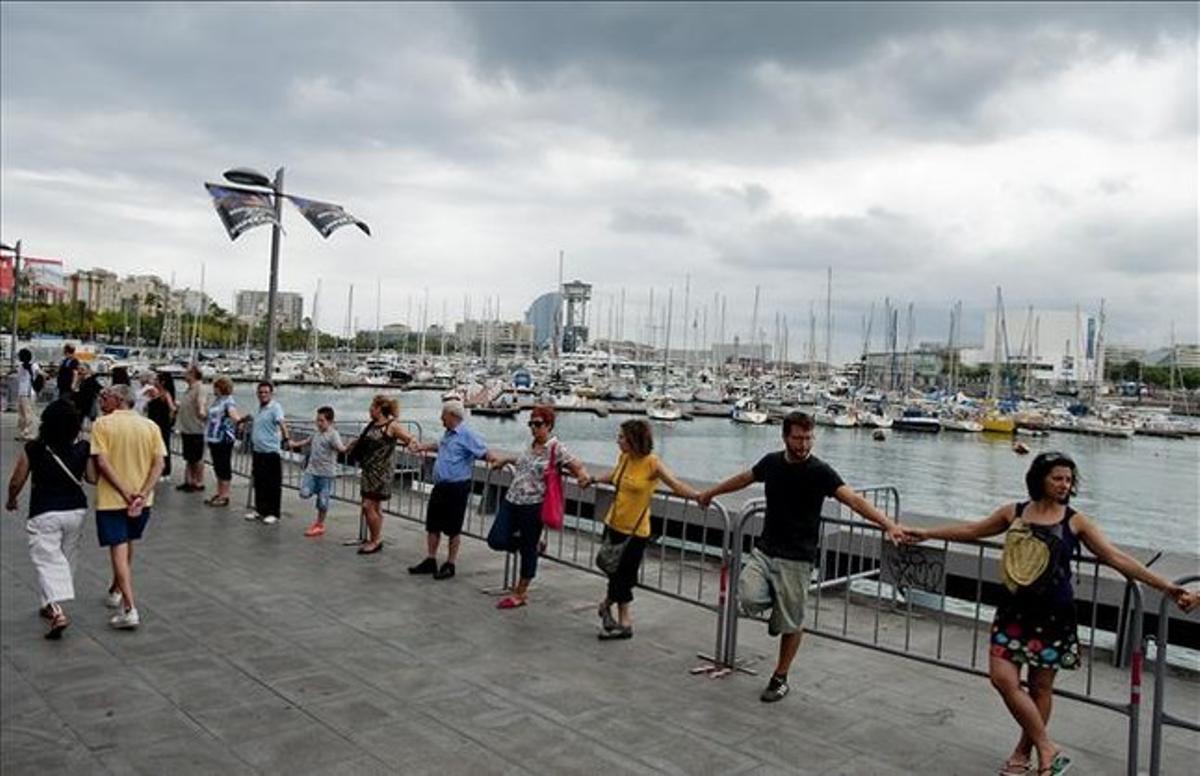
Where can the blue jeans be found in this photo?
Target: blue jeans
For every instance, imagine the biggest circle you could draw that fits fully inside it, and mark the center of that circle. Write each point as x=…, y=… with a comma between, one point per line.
x=518, y=527
x=316, y=485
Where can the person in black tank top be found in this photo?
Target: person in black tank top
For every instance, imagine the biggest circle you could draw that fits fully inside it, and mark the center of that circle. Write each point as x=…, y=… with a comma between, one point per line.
x=1035, y=626
x=58, y=463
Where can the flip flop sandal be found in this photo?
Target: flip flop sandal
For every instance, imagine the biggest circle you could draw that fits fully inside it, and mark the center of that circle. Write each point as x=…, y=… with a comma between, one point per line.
x=57, y=625
x=1014, y=767
x=510, y=602
x=217, y=501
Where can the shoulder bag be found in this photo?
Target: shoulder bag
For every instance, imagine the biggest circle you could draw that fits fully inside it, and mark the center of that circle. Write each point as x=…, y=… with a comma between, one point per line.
x=553, y=503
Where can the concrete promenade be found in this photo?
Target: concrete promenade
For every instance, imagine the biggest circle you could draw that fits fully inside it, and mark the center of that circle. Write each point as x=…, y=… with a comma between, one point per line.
x=262, y=651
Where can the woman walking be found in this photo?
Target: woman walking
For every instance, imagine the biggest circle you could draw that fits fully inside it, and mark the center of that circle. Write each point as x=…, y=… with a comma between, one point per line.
x=373, y=451
x=1035, y=621
x=161, y=408
x=635, y=477
x=58, y=462
x=220, y=433
x=518, y=524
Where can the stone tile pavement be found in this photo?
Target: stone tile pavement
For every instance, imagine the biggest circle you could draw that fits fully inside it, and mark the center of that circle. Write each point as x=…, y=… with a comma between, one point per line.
x=262, y=651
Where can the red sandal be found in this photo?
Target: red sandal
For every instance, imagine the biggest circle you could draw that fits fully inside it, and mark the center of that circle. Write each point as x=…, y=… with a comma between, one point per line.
x=510, y=602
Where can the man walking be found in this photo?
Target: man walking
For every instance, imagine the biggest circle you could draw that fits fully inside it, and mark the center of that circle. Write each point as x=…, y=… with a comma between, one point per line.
x=267, y=432
x=777, y=573
x=29, y=382
x=457, y=452
x=190, y=419
x=67, y=368
x=129, y=453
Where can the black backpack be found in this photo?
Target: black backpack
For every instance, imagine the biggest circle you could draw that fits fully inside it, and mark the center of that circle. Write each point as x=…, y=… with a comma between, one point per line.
x=36, y=379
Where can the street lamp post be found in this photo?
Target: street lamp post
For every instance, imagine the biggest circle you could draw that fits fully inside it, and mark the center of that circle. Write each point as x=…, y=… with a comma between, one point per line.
x=248, y=177
x=12, y=351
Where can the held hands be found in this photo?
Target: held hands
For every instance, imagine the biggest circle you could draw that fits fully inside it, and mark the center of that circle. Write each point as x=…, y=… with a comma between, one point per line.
x=896, y=534
x=1185, y=599
x=704, y=498
x=911, y=534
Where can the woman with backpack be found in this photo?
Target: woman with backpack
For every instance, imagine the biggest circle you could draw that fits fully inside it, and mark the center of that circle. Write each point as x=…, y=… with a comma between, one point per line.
x=374, y=452
x=1035, y=622
x=58, y=462
x=30, y=382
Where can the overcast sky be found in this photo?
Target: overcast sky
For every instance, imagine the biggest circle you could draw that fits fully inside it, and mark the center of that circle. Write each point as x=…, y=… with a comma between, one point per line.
x=925, y=152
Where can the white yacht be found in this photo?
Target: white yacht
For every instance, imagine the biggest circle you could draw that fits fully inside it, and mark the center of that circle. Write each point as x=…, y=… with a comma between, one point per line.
x=749, y=411
x=663, y=408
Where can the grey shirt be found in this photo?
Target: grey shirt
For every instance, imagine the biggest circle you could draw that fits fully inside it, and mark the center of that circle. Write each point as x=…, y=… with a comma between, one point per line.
x=322, y=455
x=192, y=414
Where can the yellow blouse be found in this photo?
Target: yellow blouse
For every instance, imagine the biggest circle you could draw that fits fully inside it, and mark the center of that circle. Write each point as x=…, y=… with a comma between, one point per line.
x=636, y=480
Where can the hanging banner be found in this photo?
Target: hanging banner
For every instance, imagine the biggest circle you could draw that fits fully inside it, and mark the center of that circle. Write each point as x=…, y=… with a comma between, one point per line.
x=241, y=210
x=325, y=216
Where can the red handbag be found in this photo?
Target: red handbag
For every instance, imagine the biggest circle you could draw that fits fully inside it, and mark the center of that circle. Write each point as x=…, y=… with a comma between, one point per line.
x=552, y=505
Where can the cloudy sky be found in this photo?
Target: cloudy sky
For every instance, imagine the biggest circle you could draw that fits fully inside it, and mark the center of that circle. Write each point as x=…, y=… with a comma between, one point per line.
x=927, y=153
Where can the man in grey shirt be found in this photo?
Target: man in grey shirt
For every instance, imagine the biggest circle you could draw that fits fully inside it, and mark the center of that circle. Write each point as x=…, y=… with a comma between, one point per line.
x=190, y=420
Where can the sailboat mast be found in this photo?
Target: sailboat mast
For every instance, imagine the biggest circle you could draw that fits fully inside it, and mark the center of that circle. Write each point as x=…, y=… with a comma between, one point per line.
x=829, y=320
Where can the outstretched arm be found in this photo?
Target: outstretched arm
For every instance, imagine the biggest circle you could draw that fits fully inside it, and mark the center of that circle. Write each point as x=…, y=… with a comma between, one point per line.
x=1108, y=553
x=734, y=483
x=855, y=501
x=579, y=472
x=995, y=523
x=678, y=486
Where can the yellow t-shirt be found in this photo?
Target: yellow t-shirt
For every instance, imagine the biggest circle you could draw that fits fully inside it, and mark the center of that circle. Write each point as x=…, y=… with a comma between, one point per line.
x=130, y=444
x=636, y=480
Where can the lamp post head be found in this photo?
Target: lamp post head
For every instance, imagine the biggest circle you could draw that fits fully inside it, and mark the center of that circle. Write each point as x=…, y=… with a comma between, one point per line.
x=247, y=176
x=7, y=247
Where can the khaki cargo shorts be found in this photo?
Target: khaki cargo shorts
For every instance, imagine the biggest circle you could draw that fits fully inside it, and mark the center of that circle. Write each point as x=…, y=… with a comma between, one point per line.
x=777, y=584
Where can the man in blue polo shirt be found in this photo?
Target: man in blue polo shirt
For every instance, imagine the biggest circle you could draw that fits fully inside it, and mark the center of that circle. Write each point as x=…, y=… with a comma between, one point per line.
x=267, y=433
x=457, y=452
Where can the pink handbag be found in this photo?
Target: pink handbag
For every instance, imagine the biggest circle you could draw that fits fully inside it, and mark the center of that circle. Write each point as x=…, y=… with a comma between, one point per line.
x=552, y=506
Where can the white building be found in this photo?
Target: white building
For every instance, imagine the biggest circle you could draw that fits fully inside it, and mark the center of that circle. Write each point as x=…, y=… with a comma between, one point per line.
x=1058, y=345
x=251, y=306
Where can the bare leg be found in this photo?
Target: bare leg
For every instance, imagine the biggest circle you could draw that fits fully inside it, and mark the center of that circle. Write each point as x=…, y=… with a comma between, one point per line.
x=1006, y=678
x=223, y=488
x=374, y=521
x=432, y=540
x=522, y=588
x=122, y=557
x=452, y=545
x=1041, y=689
x=789, y=645
x=624, y=616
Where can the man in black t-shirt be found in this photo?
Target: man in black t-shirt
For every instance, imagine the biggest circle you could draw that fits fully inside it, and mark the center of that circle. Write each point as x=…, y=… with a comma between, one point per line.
x=66, y=373
x=777, y=573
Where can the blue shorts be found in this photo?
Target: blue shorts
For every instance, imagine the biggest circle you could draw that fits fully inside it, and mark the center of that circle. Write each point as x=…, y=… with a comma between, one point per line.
x=115, y=526
x=316, y=485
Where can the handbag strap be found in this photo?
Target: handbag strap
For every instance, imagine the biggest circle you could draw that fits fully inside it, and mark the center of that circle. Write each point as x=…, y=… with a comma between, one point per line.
x=63, y=466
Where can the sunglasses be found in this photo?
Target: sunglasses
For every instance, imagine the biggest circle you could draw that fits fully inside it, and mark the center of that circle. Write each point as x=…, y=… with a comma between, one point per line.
x=536, y=423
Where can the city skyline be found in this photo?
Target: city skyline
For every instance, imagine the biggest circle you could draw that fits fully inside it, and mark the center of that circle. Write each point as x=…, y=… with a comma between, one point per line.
x=927, y=153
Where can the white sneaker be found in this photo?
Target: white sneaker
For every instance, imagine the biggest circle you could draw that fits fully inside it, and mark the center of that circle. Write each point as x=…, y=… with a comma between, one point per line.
x=251, y=516
x=270, y=520
x=126, y=620
x=113, y=599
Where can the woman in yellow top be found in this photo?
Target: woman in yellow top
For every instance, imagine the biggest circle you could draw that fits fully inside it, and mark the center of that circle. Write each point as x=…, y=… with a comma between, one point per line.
x=636, y=477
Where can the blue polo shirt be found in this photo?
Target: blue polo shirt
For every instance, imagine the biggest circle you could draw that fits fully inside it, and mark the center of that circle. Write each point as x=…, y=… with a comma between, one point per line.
x=457, y=452
x=265, y=434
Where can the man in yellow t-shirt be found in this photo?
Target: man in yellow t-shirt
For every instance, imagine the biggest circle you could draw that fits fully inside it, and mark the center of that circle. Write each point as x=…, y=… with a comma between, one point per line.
x=129, y=454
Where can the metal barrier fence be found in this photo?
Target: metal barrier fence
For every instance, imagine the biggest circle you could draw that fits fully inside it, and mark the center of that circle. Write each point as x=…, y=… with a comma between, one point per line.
x=1160, y=717
x=855, y=556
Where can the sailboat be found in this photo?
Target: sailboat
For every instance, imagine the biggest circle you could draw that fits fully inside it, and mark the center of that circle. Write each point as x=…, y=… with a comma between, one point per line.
x=749, y=411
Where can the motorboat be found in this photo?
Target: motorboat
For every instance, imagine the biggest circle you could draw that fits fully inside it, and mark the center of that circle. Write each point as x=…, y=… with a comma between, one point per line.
x=995, y=423
x=916, y=419
x=749, y=411
x=955, y=421
x=836, y=415
x=663, y=408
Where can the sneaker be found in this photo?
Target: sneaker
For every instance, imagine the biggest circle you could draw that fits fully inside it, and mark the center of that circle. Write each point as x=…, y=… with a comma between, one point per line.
x=776, y=689
x=250, y=516
x=316, y=529
x=270, y=520
x=445, y=572
x=126, y=620
x=112, y=599
x=427, y=566
x=617, y=634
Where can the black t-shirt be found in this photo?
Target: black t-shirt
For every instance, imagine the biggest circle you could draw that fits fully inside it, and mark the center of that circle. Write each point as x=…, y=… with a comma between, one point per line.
x=160, y=412
x=795, y=493
x=66, y=375
x=53, y=490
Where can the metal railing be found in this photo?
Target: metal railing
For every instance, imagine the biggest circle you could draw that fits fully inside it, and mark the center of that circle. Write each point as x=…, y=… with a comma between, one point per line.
x=1160, y=717
x=855, y=558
